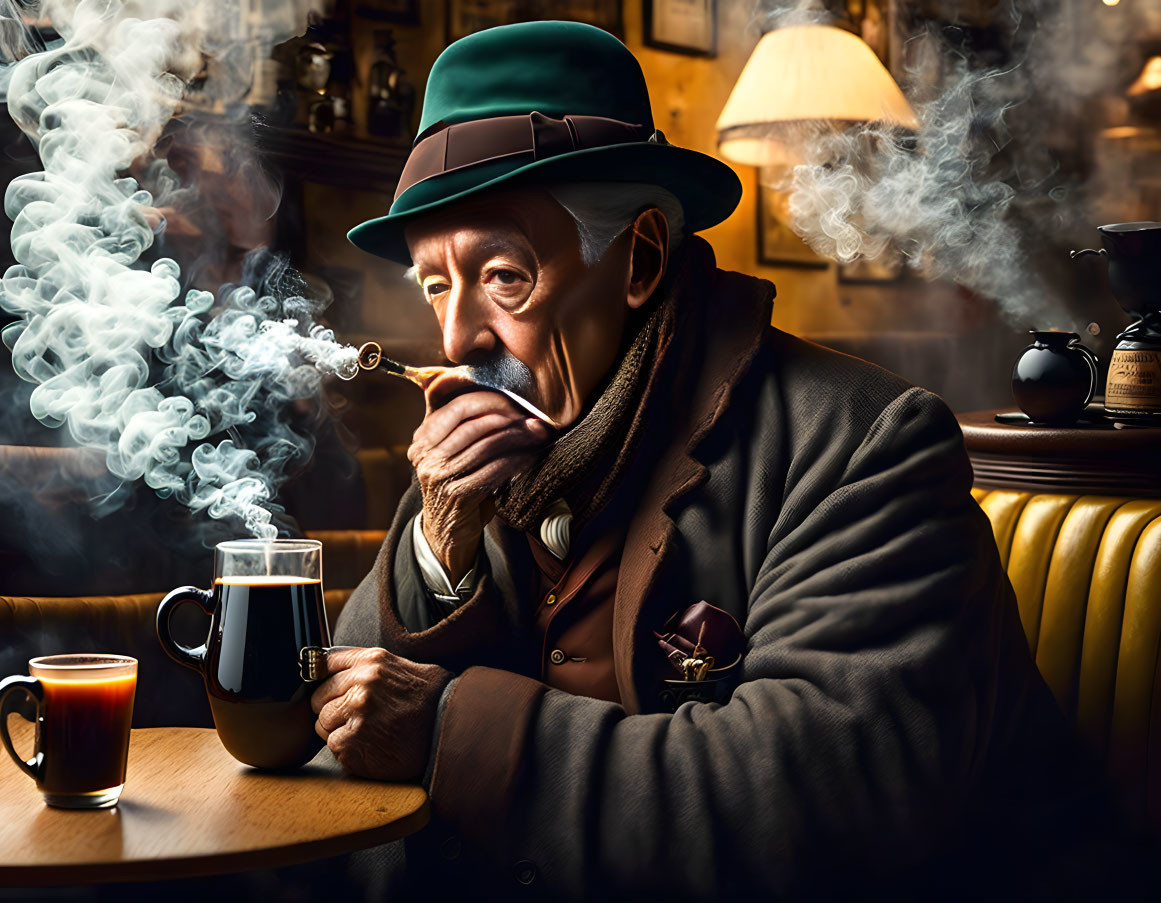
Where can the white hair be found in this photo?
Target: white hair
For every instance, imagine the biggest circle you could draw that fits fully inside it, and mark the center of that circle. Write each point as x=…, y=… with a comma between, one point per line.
x=603, y=210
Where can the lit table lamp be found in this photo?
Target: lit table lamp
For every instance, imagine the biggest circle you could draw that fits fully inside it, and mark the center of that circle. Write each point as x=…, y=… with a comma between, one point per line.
x=801, y=78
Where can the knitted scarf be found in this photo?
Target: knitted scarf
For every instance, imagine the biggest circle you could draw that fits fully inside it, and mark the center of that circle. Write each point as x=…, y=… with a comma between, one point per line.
x=584, y=465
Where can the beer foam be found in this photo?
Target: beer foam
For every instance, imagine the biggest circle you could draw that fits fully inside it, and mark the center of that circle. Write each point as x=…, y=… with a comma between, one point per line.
x=69, y=669
x=265, y=580
x=82, y=676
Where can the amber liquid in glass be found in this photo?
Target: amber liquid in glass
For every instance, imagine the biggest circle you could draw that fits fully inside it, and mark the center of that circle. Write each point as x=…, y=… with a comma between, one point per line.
x=260, y=703
x=85, y=733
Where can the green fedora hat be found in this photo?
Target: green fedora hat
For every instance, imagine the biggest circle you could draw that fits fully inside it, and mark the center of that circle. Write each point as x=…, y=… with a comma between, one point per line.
x=541, y=102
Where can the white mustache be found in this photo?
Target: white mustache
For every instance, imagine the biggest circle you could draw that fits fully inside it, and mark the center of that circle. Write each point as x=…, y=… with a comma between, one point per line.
x=504, y=372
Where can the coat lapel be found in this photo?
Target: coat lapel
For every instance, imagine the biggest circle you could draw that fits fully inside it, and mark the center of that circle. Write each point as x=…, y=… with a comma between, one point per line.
x=723, y=319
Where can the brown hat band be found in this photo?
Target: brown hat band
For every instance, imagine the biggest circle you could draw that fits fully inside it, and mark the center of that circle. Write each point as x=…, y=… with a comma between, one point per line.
x=535, y=136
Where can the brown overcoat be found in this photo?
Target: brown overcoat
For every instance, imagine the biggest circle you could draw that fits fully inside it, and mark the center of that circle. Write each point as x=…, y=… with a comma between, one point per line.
x=889, y=731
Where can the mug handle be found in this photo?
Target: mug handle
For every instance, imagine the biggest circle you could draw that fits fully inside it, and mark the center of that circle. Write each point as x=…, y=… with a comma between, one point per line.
x=191, y=658
x=35, y=690
x=1094, y=368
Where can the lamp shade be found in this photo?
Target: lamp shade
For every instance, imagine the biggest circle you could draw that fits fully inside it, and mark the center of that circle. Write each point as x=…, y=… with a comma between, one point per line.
x=798, y=79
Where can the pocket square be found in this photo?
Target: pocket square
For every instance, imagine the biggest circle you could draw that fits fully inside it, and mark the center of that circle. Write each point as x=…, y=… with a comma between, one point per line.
x=702, y=631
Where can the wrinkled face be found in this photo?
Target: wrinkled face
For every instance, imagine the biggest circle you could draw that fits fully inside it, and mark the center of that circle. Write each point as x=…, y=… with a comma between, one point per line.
x=505, y=278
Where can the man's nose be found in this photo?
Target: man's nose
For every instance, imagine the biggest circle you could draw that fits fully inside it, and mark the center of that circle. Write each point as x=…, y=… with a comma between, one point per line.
x=466, y=331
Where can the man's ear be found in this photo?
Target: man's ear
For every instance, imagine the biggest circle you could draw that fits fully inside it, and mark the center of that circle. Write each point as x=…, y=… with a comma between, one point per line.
x=650, y=235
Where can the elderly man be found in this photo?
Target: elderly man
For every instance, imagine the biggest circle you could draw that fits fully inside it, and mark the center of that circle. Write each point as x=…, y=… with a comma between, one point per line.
x=723, y=615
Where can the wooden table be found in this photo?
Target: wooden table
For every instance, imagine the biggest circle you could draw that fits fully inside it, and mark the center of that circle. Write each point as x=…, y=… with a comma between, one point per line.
x=190, y=809
x=1091, y=458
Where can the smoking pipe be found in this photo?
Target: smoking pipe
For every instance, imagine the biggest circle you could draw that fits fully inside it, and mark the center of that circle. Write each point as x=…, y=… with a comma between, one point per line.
x=371, y=357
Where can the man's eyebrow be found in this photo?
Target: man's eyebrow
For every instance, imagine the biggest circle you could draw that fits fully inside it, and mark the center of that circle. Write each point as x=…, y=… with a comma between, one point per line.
x=502, y=240
x=501, y=243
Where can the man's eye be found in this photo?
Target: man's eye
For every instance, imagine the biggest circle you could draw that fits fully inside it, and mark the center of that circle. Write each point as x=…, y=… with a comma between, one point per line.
x=509, y=288
x=505, y=277
x=436, y=288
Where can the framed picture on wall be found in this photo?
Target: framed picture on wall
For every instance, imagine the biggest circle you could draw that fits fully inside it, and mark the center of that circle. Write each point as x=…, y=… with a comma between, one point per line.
x=465, y=17
x=681, y=26
x=778, y=246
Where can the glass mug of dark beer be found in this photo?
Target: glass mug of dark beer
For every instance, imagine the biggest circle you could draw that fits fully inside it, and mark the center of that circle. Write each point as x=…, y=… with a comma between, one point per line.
x=266, y=607
x=84, y=709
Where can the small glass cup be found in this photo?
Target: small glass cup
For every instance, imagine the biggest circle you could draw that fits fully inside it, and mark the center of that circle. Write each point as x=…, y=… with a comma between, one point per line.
x=84, y=710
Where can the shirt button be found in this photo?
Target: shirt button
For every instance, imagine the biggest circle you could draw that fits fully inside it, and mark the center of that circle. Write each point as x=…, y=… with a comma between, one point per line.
x=551, y=600
x=557, y=657
x=524, y=871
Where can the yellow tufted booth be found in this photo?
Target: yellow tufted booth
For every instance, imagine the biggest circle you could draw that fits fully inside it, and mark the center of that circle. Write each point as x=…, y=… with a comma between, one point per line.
x=1087, y=575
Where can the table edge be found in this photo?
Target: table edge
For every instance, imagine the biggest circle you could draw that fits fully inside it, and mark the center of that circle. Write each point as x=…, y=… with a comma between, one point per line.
x=140, y=870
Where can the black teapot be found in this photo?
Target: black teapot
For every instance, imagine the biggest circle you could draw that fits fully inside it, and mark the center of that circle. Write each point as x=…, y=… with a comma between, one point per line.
x=1054, y=377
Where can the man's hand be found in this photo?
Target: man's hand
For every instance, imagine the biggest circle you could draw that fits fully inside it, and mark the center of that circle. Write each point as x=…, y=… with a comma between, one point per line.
x=376, y=712
x=463, y=453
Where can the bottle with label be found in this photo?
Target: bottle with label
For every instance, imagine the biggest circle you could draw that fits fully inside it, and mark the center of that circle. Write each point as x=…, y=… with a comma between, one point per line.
x=1133, y=386
x=1133, y=391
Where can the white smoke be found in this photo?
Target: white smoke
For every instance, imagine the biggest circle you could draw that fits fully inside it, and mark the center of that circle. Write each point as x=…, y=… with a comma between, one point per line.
x=868, y=192
x=188, y=393
x=980, y=190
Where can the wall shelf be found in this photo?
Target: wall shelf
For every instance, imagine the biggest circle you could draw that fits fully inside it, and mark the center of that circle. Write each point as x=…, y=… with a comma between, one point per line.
x=343, y=161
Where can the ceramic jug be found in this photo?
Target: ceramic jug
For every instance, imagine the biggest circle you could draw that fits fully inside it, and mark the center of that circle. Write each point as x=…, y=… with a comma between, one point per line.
x=1054, y=377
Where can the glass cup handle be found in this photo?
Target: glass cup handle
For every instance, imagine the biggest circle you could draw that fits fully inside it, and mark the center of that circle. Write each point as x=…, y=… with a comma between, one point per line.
x=35, y=689
x=1093, y=366
x=192, y=658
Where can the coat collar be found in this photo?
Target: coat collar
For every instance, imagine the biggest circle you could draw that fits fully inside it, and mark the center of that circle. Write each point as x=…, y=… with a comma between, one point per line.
x=721, y=321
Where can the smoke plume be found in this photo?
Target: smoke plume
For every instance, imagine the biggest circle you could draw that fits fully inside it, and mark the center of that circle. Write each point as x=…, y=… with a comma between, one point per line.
x=190, y=392
x=995, y=174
